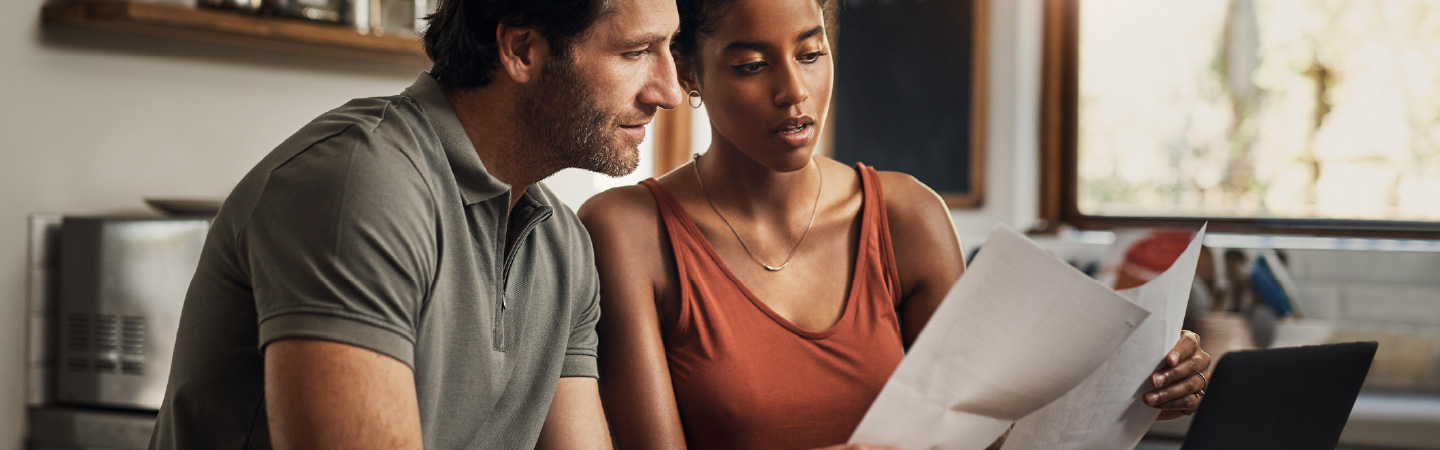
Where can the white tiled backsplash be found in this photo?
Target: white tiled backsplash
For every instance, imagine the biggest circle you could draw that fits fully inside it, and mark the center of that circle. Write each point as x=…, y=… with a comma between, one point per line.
x=41, y=288
x=1401, y=267
x=1380, y=286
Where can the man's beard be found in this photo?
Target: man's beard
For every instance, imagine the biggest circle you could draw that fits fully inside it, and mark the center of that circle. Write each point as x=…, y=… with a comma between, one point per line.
x=561, y=118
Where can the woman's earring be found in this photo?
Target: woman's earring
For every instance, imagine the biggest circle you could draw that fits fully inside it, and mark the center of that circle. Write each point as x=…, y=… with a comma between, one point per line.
x=695, y=100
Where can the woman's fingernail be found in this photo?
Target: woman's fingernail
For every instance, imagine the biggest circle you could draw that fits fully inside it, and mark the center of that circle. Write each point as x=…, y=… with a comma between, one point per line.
x=1159, y=380
x=1151, y=397
x=1174, y=358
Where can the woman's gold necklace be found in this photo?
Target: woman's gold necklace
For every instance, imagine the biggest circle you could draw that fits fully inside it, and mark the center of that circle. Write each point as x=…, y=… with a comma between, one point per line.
x=813, y=210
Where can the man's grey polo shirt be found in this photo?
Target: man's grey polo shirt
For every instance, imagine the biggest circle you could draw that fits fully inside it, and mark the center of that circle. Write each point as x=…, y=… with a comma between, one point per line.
x=376, y=225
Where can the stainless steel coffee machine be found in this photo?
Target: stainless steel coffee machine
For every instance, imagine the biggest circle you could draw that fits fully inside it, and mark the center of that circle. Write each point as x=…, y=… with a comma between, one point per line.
x=122, y=284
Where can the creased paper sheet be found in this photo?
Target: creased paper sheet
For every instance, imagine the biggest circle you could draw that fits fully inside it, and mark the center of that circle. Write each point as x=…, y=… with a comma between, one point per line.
x=1107, y=411
x=1017, y=331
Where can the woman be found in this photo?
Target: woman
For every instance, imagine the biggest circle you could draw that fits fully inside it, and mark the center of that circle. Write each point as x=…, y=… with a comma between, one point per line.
x=761, y=295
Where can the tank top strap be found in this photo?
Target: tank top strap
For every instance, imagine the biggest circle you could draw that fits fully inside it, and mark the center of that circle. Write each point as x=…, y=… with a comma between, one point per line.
x=878, y=219
x=683, y=235
x=671, y=213
x=683, y=232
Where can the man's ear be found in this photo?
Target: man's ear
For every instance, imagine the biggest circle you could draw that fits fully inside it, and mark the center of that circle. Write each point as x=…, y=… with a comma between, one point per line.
x=522, y=51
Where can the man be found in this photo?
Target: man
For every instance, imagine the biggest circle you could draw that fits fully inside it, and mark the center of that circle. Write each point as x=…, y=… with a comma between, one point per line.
x=395, y=276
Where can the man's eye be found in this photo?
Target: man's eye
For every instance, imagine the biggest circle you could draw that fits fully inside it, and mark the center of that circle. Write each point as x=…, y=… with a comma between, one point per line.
x=637, y=54
x=811, y=57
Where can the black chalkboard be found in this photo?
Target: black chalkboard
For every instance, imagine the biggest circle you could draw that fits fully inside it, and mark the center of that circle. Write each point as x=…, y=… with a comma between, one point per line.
x=905, y=97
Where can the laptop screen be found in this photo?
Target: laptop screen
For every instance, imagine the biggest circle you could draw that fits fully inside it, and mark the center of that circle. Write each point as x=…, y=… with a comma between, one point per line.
x=1290, y=398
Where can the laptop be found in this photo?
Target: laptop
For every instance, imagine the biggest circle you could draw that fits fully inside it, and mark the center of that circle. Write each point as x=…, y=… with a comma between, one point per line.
x=1281, y=398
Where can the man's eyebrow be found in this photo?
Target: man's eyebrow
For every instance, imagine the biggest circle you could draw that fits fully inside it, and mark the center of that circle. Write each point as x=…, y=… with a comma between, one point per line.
x=747, y=45
x=645, y=41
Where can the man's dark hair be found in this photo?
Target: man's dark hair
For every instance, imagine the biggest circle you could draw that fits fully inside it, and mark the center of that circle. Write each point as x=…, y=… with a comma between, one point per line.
x=698, y=17
x=460, y=37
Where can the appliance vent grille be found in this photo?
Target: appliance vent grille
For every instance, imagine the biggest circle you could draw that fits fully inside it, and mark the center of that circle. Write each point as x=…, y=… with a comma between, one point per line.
x=99, y=337
x=132, y=335
x=77, y=333
x=106, y=366
x=107, y=333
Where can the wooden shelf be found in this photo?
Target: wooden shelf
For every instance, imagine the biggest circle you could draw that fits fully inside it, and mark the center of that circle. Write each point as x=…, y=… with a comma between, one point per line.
x=234, y=29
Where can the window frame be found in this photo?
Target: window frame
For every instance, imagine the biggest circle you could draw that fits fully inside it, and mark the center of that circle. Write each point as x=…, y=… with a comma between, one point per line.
x=1059, y=175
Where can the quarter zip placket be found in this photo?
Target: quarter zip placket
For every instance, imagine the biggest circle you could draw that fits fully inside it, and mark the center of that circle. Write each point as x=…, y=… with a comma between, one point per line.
x=537, y=214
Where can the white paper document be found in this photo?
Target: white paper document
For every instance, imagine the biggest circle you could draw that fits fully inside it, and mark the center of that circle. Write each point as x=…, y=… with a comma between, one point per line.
x=1107, y=411
x=1019, y=330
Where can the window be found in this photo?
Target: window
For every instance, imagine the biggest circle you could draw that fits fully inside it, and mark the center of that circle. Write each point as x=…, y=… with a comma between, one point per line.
x=1305, y=116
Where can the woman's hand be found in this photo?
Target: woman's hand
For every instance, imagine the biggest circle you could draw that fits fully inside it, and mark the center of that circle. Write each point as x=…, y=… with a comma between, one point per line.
x=1180, y=385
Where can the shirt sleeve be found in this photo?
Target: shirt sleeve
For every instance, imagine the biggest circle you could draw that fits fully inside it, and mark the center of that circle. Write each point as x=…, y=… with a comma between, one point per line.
x=341, y=246
x=580, y=354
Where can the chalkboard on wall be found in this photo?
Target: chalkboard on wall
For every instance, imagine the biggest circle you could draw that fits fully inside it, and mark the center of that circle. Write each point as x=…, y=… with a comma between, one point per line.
x=909, y=91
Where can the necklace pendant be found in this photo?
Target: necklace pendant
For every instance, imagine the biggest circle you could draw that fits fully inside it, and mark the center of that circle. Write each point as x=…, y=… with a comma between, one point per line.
x=813, y=210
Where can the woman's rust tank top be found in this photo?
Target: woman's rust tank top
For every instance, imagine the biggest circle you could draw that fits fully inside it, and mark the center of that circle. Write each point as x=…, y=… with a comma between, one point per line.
x=746, y=378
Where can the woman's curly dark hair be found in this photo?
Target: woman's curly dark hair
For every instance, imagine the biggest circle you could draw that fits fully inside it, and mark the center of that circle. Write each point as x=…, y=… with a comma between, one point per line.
x=698, y=17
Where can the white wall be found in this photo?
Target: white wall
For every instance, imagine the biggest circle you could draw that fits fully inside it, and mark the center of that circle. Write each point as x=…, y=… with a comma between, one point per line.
x=1012, y=169
x=95, y=121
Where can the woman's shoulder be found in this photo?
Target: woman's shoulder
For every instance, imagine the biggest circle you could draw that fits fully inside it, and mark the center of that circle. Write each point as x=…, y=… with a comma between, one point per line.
x=626, y=230
x=908, y=200
x=623, y=207
x=927, y=250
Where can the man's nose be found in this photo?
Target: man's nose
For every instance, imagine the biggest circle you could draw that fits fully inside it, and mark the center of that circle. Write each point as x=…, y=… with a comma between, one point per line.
x=662, y=87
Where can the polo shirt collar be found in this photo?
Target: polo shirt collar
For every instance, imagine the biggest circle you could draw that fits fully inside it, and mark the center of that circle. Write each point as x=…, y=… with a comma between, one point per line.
x=476, y=184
